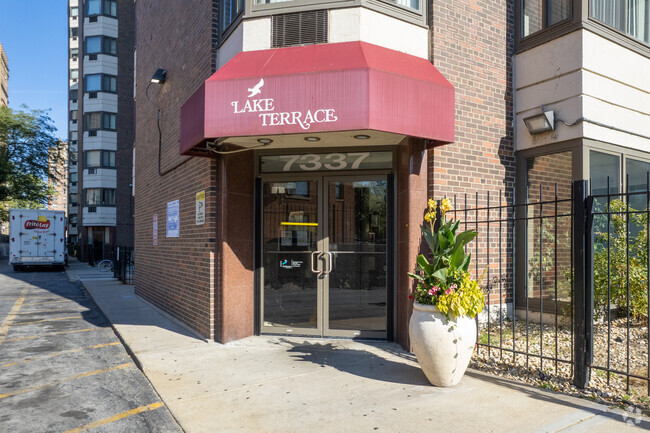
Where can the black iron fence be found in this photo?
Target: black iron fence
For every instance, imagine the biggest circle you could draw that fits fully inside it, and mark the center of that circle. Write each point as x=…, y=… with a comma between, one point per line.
x=566, y=276
x=123, y=264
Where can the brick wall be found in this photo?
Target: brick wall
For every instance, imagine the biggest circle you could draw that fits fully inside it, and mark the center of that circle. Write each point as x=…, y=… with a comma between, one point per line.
x=472, y=45
x=125, y=123
x=177, y=275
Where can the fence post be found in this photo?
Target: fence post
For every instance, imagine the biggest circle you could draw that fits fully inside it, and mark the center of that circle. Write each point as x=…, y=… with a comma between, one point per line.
x=583, y=270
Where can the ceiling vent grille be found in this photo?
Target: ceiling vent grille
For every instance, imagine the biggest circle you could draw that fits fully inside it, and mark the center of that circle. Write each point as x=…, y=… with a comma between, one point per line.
x=301, y=28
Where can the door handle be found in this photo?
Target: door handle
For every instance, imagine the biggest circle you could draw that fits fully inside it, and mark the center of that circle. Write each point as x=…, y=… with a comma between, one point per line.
x=316, y=271
x=329, y=262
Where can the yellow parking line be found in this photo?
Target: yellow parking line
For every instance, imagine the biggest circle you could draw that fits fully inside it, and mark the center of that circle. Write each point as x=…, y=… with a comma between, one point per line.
x=47, y=334
x=50, y=311
x=79, y=376
x=48, y=320
x=6, y=324
x=64, y=352
x=50, y=302
x=114, y=418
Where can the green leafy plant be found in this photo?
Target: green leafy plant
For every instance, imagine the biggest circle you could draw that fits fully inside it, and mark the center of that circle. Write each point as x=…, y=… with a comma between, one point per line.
x=443, y=280
x=626, y=240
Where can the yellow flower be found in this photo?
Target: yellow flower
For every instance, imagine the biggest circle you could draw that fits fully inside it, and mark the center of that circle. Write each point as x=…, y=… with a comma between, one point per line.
x=428, y=217
x=445, y=206
x=432, y=204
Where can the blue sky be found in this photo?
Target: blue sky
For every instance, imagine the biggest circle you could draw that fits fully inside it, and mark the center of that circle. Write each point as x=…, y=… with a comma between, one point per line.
x=34, y=34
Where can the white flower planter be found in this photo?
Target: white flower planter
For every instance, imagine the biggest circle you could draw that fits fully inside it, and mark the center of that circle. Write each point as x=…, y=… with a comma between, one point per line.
x=443, y=348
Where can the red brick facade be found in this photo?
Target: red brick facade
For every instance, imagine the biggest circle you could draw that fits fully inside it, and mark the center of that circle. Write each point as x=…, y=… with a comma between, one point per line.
x=472, y=45
x=177, y=275
x=205, y=277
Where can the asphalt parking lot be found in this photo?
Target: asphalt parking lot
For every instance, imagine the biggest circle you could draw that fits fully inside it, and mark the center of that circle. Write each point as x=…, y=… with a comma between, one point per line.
x=62, y=368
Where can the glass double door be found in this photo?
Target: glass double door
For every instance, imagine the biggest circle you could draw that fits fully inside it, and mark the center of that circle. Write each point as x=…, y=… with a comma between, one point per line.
x=325, y=256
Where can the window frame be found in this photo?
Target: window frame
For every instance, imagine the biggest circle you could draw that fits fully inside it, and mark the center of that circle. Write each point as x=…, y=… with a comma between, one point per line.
x=102, y=81
x=580, y=20
x=102, y=197
x=103, y=116
x=102, y=8
x=386, y=7
x=103, y=155
x=103, y=41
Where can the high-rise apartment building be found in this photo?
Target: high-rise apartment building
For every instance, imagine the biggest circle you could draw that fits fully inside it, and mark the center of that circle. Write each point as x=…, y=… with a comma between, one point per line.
x=101, y=125
x=4, y=78
x=59, y=178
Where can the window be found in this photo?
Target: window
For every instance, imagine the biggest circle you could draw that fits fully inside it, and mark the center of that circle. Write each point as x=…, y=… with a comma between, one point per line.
x=74, y=74
x=74, y=32
x=631, y=17
x=100, y=197
x=108, y=121
x=74, y=177
x=101, y=7
x=101, y=45
x=100, y=83
x=109, y=83
x=93, y=196
x=74, y=199
x=100, y=158
x=93, y=7
x=604, y=172
x=93, y=44
x=540, y=14
x=110, y=46
x=93, y=83
x=232, y=8
x=637, y=173
x=96, y=121
x=74, y=12
x=74, y=53
x=93, y=158
x=108, y=197
x=74, y=95
x=73, y=114
x=74, y=135
x=110, y=8
x=108, y=159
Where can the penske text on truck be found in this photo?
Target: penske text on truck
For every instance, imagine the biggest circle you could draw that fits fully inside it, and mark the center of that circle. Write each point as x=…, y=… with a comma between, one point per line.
x=37, y=237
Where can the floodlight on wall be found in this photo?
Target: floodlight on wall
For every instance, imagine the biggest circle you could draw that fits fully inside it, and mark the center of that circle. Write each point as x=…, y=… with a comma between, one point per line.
x=541, y=122
x=159, y=76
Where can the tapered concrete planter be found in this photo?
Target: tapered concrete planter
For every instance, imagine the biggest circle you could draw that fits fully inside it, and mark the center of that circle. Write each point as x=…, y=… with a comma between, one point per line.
x=443, y=348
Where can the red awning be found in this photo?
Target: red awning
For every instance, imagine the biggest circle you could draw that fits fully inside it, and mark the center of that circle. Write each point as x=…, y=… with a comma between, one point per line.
x=316, y=89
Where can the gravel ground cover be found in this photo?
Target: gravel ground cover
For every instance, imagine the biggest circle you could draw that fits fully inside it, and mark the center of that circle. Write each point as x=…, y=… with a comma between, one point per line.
x=558, y=376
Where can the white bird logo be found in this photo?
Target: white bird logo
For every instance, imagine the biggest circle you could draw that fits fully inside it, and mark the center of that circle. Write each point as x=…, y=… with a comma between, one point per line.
x=256, y=90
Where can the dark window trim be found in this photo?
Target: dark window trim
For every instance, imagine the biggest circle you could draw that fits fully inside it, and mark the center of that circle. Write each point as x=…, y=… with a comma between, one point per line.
x=102, y=83
x=101, y=159
x=101, y=195
x=102, y=14
x=388, y=8
x=579, y=21
x=102, y=51
x=101, y=128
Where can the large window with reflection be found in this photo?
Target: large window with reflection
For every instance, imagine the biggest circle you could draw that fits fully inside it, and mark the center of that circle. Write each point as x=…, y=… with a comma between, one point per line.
x=539, y=14
x=631, y=17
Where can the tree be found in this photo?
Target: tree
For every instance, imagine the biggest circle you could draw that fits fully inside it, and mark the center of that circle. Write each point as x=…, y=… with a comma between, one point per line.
x=29, y=155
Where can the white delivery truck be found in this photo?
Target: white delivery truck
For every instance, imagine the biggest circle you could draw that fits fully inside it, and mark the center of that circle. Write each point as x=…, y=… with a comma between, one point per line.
x=37, y=237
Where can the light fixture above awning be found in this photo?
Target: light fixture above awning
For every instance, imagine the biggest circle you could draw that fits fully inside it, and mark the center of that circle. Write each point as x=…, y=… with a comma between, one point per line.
x=351, y=86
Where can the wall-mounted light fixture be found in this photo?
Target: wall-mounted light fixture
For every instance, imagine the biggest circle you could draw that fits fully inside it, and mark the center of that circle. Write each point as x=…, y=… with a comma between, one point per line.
x=362, y=137
x=264, y=140
x=539, y=123
x=159, y=76
x=312, y=139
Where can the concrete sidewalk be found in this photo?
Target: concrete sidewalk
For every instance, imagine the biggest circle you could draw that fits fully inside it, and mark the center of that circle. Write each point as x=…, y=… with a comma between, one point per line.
x=290, y=384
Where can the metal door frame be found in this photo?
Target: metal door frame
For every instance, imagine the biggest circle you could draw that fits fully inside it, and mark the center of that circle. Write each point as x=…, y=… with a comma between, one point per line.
x=322, y=180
